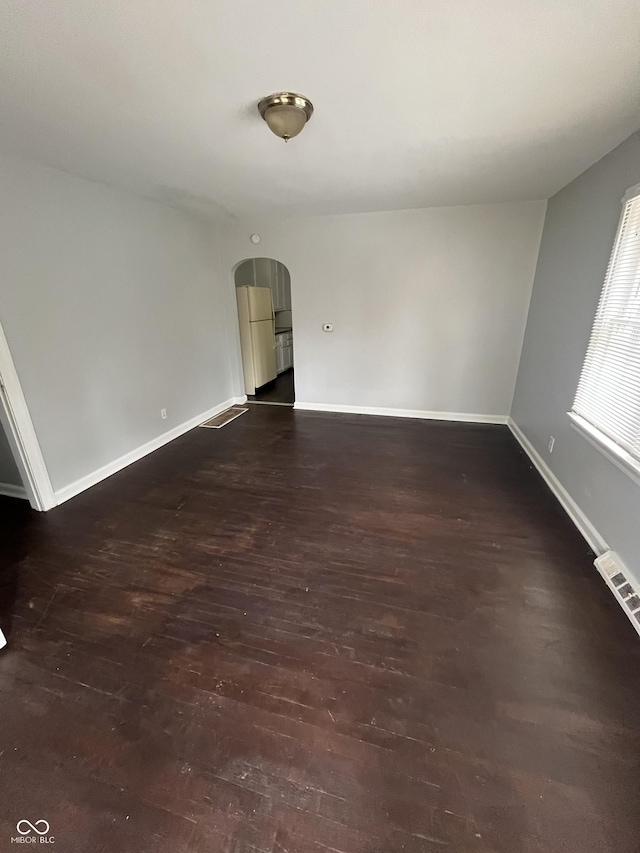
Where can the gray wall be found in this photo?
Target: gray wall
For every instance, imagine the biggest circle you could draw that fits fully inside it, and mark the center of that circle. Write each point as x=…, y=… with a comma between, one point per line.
x=113, y=309
x=579, y=230
x=8, y=469
x=428, y=306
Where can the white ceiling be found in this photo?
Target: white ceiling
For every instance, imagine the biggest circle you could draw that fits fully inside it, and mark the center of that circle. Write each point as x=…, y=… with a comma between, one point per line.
x=418, y=103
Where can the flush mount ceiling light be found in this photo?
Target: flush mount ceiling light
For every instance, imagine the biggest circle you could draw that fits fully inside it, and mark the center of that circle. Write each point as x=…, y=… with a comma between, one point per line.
x=286, y=113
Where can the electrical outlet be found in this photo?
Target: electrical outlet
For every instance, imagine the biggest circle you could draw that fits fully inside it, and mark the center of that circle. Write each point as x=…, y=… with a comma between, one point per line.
x=552, y=441
x=163, y=414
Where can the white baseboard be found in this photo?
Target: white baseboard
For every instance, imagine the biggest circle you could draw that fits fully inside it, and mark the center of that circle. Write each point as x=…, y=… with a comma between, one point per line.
x=463, y=417
x=11, y=491
x=586, y=528
x=73, y=489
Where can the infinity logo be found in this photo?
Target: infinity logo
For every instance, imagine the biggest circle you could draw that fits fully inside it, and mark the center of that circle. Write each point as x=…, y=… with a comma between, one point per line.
x=32, y=827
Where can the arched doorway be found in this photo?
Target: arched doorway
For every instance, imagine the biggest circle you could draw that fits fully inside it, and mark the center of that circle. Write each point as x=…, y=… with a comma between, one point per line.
x=263, y=295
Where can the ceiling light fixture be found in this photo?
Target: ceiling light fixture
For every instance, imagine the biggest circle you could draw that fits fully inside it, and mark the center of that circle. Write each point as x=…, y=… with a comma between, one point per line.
x=286, y=113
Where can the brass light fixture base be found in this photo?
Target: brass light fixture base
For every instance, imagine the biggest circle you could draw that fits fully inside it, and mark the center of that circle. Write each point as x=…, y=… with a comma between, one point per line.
x=286, y=113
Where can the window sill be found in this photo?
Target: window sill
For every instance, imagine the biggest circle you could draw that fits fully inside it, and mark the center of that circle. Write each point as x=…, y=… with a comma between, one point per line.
x=620, y=458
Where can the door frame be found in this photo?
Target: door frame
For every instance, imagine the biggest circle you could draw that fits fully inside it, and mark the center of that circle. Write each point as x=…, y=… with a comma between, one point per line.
x=21, y=434
x=258, y=255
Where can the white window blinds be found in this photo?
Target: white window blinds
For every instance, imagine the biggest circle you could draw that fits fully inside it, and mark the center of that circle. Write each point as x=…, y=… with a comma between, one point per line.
x=608, y=395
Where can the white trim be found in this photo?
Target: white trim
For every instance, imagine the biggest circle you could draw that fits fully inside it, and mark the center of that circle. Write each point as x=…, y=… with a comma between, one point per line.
x=463, y=417
x=11, y=491
x=268, y=403
x=73, y=489
x=22, y=435
x=614, y=453
x=586, y=528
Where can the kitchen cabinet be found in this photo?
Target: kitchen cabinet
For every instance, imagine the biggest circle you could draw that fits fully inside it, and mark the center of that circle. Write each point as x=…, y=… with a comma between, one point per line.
x=284, y=351
x=287, y=357
x=286, y=284
x=278, y=287
x=246, y=274
x=266, y=272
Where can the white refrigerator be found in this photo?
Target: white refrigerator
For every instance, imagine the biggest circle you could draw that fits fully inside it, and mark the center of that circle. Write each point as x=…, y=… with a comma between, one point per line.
x=257, y=336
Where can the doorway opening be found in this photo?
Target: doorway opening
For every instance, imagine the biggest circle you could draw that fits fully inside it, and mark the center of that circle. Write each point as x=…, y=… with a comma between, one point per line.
x=23, y=473
x=11, y=485
x=263, y=295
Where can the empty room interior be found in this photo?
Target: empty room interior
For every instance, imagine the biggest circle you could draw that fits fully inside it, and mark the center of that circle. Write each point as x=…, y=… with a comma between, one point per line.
x=320, y=426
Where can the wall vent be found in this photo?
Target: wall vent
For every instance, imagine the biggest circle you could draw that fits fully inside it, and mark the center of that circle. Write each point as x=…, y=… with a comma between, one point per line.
x=616, y=575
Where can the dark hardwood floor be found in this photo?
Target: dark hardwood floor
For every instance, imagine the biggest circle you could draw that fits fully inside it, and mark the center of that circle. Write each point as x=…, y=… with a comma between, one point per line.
x=281, y=390
x=307, y=633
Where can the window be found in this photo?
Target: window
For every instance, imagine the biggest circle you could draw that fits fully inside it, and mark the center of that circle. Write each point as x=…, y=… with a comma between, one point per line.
x=607, y=403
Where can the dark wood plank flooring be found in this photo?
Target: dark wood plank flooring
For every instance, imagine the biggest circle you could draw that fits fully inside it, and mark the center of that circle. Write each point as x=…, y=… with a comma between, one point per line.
x=281, y=390
x=308, y=633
